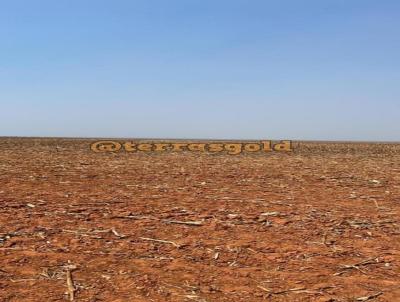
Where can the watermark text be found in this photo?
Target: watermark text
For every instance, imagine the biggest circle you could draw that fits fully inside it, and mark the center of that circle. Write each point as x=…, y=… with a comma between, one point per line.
x=232, y=148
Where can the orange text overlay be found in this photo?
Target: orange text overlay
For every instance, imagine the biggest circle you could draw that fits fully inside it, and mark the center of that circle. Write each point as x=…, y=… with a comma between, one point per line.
x=211, y=147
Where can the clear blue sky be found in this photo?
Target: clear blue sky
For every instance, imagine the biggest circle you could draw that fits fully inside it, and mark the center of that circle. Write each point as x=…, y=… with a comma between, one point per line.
x=284, y=69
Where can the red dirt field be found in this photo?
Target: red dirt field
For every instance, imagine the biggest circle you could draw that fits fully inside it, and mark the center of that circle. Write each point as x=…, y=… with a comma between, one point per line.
x=318, y=224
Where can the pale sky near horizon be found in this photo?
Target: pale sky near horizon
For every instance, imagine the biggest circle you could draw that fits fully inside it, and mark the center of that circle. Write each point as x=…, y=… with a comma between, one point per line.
x=237, y=69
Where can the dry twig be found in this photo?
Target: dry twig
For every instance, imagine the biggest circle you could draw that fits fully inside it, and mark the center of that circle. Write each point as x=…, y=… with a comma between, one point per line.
x=357, y=266
x=192, y=223
x=367, y=298
x=161, y=241
x=70, y=282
